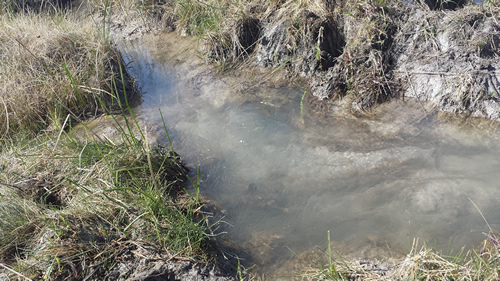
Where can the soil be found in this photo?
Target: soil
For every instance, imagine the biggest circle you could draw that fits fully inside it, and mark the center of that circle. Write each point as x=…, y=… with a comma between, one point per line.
x=456, y=65
x=444, y=52
x=145, y=263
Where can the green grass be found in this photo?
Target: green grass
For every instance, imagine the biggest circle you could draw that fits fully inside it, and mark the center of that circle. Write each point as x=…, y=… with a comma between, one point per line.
x=302, y=107
x=70, y=206
x=101, y=193
x=199, y=18
x=72, y=203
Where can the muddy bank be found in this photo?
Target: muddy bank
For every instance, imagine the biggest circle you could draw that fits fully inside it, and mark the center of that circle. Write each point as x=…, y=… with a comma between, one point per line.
x=438, y=51
x=143, y=262
x=451, y=59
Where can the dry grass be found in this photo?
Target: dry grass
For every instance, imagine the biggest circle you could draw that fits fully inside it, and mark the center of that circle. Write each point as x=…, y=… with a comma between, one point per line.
x=422, y=263
x=365, y=60
x=70, y=208
x=50, y=65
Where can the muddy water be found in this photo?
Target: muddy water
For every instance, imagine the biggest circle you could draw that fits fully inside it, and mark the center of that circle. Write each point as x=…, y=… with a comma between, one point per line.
x=283, y=178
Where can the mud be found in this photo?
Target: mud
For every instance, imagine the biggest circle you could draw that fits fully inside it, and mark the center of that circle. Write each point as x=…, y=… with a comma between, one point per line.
x=445, y=52
x=451, y=60
x=141, y=263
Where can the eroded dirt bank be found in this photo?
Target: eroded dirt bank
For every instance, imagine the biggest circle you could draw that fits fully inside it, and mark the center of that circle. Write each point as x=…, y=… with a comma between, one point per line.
x=369, y=51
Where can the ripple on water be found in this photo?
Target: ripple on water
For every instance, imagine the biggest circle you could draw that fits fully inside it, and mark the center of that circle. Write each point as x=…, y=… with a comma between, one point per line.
x=284, y=180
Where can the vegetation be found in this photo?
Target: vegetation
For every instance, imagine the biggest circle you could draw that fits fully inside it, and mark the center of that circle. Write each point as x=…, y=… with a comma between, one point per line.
x=422, y=263
x=51, y=66
x=73, y=207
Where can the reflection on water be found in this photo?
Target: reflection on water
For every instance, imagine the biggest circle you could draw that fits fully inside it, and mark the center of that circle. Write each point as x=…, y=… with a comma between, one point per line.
x=284, y=183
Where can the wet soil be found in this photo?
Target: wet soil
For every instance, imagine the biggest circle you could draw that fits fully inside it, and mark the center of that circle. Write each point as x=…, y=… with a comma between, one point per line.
x=445, y=52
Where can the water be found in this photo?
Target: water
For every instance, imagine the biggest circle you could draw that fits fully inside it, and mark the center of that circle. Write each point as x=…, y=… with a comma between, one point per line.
x=283, y=180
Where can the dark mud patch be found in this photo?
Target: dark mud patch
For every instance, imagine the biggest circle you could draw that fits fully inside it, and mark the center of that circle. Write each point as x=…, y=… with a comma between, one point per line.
x=306, y=44
x=445, y=4
x=247, y=34
x=140, y=262
x=236, y=43
x=47, y=189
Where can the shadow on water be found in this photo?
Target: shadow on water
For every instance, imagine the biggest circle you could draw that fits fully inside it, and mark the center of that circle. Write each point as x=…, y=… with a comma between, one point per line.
x=282, y=180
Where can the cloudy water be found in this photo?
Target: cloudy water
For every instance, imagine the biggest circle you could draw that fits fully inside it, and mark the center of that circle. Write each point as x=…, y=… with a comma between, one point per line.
x=283, y=178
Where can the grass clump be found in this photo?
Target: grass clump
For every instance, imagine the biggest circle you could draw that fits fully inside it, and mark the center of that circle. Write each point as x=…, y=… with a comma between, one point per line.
x=422, y=263
x=51, y=66
x=85, y=203
x=53, y=6
x=366, y=59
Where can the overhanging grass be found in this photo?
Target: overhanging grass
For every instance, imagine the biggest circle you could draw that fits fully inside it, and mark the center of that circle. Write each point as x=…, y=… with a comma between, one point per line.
x=77, y=201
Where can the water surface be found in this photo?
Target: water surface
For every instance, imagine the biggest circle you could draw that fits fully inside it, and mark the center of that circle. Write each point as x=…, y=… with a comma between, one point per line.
x=284, y=178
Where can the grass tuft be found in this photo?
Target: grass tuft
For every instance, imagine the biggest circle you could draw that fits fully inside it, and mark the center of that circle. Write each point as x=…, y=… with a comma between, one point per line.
x=51, y=66
x=422, y=263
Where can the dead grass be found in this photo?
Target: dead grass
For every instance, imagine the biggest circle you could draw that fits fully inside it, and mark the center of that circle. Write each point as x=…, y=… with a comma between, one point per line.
x=50, y=66
x=366, y=56
x=53, y=6
x=422, y=263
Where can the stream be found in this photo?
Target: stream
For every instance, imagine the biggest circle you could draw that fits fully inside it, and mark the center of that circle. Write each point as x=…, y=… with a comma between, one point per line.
x=282, y=175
